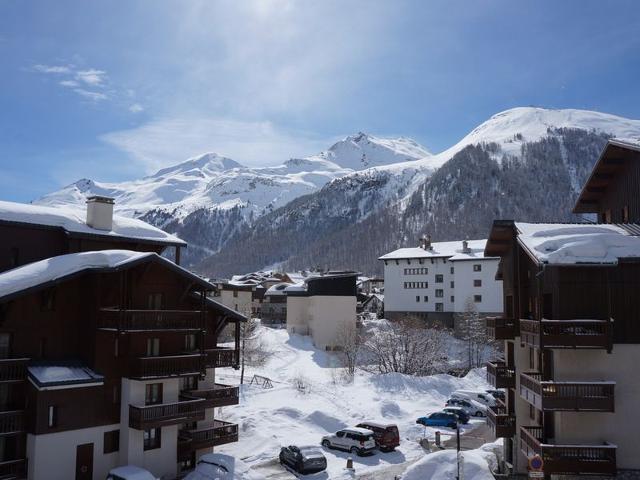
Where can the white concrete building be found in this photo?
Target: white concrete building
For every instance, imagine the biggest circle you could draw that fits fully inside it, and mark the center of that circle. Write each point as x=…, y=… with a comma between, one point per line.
x=437, y=281
x=323, y=306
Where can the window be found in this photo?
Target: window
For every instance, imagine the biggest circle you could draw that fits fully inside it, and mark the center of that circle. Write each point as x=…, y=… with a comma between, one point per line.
x=417, y=298
x=188, y=383
x=397, y=262
x=439, y=307
x=477, y=267
x=452, y=284
x=405, y=285
x=477, y=283
x=453, y=299
x=153, y=347
x=5, y=345
x=48, y=300
x=111, y=441
x=408, y=262
x=625, y=214
x=190, y=342
x=235, y=293
x=52, y=416
x=451, y=269
x=426, y=298
x=154, y=301
x=439, y=278
x=421, y=261
x=439, y=293
x=153, y=394
x=477, y=298
x=151, y=438
x=116, y=394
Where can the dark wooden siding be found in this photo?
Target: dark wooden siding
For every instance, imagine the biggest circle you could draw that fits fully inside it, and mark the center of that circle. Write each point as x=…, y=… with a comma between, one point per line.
x=623, y=190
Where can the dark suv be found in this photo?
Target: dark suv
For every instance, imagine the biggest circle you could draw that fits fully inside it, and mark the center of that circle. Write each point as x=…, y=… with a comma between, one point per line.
x=386, y=436
x=303, y=459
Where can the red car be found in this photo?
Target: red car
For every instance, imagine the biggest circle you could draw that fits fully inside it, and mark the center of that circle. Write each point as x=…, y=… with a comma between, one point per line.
x=386, y=436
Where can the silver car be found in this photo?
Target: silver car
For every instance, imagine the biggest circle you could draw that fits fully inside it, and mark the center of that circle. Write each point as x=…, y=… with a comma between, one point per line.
x=358, y=441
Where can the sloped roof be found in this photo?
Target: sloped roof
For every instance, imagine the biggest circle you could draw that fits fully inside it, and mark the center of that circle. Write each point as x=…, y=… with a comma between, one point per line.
x=452, y=250
x=73, y=221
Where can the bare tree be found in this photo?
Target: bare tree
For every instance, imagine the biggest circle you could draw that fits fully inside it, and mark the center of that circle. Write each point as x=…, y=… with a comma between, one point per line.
x=254, y=352
x=349, y=342
x=474, y=334
x=408, y=346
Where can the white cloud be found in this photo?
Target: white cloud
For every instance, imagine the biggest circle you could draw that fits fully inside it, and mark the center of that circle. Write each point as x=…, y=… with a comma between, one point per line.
x=136, y=108
x=69, y=83
x=165, y=142
x=91, y=77
x=52, y=68
x=95, y=96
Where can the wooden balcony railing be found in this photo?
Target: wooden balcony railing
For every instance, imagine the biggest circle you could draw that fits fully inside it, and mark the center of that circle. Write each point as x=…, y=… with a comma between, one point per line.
x=567, y=333
x=152, y=416
x=500, y=328
x=150, y=320
x=12, y=422
x=500, y=375
x=210, y=434
x=218, y=396
x=567, y=396
x=500, y=421
x=13, y=369
x=568, y=459
x=13, y=469
x=222, y=357
x=166, y=366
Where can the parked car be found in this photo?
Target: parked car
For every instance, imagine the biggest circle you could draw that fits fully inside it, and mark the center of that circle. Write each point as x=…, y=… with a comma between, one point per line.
x=130, y=472
x=213, y=466
x=387, y=436
x=498, y=394
x=484, y=398
x=303, y=459
x=473, y=409
x=439, y=419
x=356, y=440
x=463, y=417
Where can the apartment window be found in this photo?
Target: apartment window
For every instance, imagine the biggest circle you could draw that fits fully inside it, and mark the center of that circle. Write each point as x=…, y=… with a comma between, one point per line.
x=532, y=412
x=421, y=261
x=235, y=293
x=188, y=383
x=426, y=298
x=151, y=438
x=405, y=271
x=52, y=416
x=116, y=394
x=453, y=299
x=190, y=342
x=153, y=394
x=417, y=298
x=439, y=278
x=397, y=262
x=452, y=283
x=477, y=267
x=477, y=298
x=439, y=307
x=111, y=441
x=408, y=262
x=154, y=301
x=386, y=263
x=477, y=283
x=532, y=358
x=48, y=300
x=439, y=293
x=451, y=269
x=405, y=285
x=153, y=347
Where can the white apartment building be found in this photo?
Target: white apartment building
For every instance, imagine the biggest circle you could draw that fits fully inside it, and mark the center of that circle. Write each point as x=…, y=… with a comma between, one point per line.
x=437, y=281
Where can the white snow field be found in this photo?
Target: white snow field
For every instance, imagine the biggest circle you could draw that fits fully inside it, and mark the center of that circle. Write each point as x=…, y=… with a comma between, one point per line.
x=283, y=415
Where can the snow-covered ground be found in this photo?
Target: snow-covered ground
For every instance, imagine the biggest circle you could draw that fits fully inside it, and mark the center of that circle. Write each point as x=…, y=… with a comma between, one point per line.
x=283, y=415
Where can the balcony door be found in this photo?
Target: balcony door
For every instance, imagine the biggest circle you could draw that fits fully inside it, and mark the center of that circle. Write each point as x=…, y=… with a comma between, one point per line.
x=155, y=301
x=84, y=462
x=153, y=394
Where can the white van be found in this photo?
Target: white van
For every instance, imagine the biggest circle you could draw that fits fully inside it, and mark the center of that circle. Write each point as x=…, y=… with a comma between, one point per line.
x=484, y=398
x=130, y=472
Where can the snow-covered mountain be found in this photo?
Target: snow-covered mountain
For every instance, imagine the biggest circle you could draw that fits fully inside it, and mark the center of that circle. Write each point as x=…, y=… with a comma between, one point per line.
x=525, y=163
x=218, y=191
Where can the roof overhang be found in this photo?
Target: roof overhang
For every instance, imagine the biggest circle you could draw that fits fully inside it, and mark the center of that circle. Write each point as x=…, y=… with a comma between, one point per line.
x=500, y=238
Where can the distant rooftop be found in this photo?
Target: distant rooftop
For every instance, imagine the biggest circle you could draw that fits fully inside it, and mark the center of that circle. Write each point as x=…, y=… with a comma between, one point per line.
x=450, y=250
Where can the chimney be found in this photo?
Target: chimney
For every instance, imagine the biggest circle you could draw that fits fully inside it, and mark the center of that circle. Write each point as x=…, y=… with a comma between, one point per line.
x=465, y=247
x=422, y=242
x=427, y=242
x=100, y=212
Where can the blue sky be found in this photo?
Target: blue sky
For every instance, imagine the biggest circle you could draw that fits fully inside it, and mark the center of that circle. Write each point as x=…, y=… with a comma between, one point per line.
x=114, y=90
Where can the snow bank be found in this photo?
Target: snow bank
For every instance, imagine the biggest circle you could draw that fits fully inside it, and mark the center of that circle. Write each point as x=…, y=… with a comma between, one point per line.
x=578, y=243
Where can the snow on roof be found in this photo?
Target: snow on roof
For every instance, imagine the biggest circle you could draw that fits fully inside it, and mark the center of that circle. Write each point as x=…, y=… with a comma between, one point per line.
x=73, y=220
x=51, y=375
x=363, y=431
x=559, y=243
x=441, y=249
x=56, y=268
x=131, y=472
x=278, y=289
x=296, y=287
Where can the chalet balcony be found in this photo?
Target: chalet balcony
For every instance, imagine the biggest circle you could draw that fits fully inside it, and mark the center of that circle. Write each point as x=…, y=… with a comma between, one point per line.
x=208, y=434
x=567, y=396
x=13, y=369
x=13, y=469
x=500, y=328
x=166, y=366
x=500, y=421
x=568, y=459
x=500, y=375
x=12, y=422
x=222, y=357
x=150, y=320
x=152, y=416
x=567, y=333
x=217, y=396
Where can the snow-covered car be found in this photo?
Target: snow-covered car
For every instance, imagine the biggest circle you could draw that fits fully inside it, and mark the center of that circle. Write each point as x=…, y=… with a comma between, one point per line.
x=498, y=394
x=482, y=397
x=130, y=472
x=358, y=441
x=213, y=466
x=463, y=417
x=471, y=408
x=307, y=459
